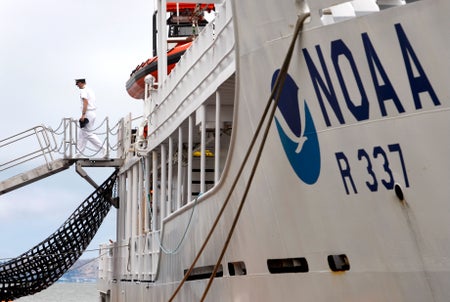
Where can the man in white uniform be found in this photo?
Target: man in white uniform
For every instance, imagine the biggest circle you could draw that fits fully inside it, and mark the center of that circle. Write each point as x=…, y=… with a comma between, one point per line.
x=86, y=134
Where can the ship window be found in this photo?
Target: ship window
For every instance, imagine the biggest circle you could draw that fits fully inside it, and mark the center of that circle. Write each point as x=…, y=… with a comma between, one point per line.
x=237, y=268
x=204, y=272
x=287, y=265
x=338, y=263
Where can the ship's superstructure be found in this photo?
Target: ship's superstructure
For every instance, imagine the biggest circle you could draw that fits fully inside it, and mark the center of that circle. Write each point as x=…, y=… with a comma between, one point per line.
x=338, y=192
x=289, y=151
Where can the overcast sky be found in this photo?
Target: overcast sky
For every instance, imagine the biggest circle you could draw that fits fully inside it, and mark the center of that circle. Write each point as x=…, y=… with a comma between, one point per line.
x=45, y=45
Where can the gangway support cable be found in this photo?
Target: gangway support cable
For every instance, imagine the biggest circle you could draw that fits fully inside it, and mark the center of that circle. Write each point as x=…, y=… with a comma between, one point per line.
x=45, y=263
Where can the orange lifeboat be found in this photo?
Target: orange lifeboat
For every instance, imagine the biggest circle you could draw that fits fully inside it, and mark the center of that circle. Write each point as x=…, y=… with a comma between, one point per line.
x=182, y=15
x=172, y=7
x=136, y=85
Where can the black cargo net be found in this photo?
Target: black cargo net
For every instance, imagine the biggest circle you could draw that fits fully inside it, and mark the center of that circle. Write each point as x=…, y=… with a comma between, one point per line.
x=44, y=264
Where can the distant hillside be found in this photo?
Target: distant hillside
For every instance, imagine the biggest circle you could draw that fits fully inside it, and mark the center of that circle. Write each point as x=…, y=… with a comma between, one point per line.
x=84, y=270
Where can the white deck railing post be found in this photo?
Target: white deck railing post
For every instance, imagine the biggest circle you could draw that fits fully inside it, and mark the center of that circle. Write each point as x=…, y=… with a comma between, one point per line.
x=217, y=140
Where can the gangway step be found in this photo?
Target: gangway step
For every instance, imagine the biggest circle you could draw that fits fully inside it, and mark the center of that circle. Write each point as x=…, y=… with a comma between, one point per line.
x=35, y=174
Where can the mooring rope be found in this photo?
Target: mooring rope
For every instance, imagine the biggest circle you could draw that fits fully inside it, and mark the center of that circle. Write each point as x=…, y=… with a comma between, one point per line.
x=275, y=94
x=276, y=91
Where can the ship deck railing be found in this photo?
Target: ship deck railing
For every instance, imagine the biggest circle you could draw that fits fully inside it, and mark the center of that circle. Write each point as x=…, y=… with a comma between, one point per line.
x=205, y=65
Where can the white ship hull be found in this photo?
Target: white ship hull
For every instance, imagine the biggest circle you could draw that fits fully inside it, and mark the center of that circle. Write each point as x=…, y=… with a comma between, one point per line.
x=364, y=118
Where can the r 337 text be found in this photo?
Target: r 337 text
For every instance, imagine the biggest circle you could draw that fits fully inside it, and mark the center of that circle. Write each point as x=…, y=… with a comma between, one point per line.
x=376, y=164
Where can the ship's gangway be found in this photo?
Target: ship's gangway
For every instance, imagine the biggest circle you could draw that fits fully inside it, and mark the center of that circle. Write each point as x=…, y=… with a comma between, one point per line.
x=41, y=152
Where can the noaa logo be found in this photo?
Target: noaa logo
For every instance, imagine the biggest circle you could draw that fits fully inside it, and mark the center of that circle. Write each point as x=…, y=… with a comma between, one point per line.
x=297, y=133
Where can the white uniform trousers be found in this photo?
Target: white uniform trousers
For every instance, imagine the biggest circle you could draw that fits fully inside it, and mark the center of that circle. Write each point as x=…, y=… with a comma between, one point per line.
x=87, y=134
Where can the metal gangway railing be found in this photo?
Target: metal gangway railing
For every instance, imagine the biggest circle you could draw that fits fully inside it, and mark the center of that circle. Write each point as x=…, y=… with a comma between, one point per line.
x=42, y=151
x=67, y=133
x=46, y=146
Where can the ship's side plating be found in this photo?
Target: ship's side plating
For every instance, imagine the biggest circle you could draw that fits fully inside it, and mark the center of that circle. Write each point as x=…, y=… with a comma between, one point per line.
x=349, y=200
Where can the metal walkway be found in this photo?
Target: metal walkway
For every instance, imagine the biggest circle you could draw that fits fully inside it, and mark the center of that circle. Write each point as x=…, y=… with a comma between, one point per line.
x=54, y=167
x=35, y=174
x=39, y=147
x=45, y=263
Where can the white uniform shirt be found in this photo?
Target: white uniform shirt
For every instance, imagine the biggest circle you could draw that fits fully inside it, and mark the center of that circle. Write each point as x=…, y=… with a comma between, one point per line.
x=87, y=93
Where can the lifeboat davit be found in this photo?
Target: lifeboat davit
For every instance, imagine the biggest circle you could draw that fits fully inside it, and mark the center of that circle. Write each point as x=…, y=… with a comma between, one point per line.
x=136, y=85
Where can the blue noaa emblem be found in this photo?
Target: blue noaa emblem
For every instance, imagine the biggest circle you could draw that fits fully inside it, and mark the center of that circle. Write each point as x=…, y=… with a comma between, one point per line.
x=297, y=133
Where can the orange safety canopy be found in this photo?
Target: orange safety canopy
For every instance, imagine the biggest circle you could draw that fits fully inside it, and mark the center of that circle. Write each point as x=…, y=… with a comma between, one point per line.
x=172, y=6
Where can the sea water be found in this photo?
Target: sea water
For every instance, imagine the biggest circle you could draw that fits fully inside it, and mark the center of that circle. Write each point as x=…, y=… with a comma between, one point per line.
x=66, y=292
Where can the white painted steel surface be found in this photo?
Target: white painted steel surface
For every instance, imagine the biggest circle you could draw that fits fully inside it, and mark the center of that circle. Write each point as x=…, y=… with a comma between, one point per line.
x=366, y=142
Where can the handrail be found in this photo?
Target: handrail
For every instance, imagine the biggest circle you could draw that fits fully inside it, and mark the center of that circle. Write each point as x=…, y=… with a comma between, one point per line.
x=43, y=137
x=47, y=144
x=41, y=142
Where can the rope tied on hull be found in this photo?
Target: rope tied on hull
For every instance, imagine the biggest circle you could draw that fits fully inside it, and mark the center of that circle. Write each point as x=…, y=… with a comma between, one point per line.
x=45, y=263
x=268, y=115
